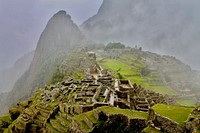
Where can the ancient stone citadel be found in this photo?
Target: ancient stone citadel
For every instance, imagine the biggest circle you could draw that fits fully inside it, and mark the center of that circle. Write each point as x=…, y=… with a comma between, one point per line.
x=82, y=106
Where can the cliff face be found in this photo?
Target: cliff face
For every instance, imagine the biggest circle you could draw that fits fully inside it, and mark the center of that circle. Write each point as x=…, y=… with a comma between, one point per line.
x=159, y=26
x=9, y=76
x=58, y=39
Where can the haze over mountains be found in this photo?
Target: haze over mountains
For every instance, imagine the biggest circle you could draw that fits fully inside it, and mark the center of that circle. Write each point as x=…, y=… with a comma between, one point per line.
x=60, y=37
x=9, y=76
x=165, y=26
x=23, y=21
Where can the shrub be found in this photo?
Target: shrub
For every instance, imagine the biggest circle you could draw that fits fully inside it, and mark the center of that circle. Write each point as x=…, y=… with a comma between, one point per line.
x=57, y=76
x=114, y=46
x=145, y=71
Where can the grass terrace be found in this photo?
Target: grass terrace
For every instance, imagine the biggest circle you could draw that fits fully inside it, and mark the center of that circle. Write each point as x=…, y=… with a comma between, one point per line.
x=177, y=113
x=131, y=69
x=187, y=102
x=126, y=112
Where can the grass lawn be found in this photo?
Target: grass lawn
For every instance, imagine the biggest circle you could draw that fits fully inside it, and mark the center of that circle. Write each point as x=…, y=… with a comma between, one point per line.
x=127, y=112
x=187, y=102
x=80, y=120
x=177, y=113
x=126, y=69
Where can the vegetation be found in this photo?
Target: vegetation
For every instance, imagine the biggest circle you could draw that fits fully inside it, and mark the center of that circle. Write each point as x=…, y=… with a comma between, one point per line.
x=177, y=113
x=186, y=102
x=5, y=121
x=57, y=76
x=126, y=112
x=114, y=46
x=145, y=71
x=133, y=73
x=109, y=111
x=14, y=113
x=125, y=66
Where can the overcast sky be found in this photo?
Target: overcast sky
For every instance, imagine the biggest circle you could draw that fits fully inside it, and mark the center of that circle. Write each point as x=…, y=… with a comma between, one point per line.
x=22, y=21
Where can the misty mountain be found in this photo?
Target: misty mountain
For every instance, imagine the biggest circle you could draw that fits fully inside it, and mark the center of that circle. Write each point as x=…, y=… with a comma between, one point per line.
x=60, y=37
x=9, y=76
x=164, y=26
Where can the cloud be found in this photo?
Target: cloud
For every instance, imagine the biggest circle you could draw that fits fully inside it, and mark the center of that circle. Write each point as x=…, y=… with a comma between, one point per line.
x=80, y=10
x=22, y=22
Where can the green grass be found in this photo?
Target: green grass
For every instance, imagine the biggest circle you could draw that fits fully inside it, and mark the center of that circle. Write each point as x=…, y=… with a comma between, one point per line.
x=116, y=65
x=187, y=102
x=66, y=122
x=50, y=127
x=91, y=116
x=101, y=99
x=126, y=112
x=108, y=110
x=6, y=118
x=5, y=131
x=57, y=125
x=126, y=69
x=5, y=121
x=177, y=113
x=80, y=120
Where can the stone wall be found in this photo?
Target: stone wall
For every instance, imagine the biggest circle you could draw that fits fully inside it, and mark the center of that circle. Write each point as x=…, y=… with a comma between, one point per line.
x=118, y=123
x=165, y=124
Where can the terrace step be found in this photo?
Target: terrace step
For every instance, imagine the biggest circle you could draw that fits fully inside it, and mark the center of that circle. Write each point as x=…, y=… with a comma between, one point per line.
x=42, y=109
x=19, y=125
x=39, y=122
x=92, y=117
x=66, y=123
x=42, y=118
x=58, y=126
x=45, y=114
x=51, y=129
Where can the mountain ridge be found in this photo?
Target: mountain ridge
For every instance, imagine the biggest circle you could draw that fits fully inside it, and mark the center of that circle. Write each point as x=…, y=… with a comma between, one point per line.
x=161, y=27
x=9, y=76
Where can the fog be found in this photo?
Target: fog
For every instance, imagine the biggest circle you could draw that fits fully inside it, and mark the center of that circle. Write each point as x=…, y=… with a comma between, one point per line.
x=22, y=21
x=166, y=26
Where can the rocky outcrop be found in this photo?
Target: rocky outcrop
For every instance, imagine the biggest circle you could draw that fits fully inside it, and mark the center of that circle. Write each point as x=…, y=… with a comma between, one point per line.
x=193, y=123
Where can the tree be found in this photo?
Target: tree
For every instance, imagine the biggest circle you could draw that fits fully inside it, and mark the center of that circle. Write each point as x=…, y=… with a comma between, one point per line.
x=57, y=76
x=145, y=71
x=114, y=46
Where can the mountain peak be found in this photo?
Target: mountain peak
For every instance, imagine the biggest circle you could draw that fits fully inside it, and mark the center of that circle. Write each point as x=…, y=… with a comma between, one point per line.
x=60, y=37
x=62, y=13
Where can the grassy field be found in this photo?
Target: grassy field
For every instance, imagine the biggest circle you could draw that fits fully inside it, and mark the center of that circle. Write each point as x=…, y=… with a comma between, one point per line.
x=126, y=112
x=187, y=102
x=177, y=113
x=129, y=68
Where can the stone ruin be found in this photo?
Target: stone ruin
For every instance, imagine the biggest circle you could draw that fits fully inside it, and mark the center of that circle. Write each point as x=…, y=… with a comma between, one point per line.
x=193, y=123
x=97, y=89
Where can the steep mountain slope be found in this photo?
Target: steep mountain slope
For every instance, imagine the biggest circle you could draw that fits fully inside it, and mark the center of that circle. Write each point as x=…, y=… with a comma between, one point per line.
x=60, y=37
x=9, y=76
x=170, y=27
